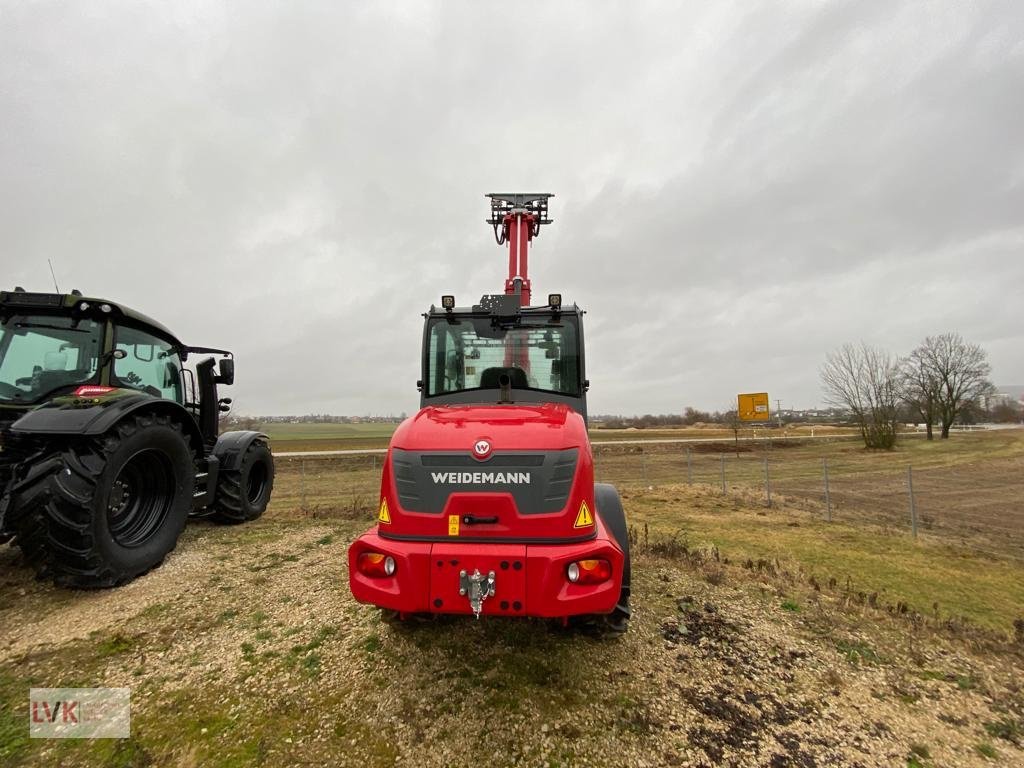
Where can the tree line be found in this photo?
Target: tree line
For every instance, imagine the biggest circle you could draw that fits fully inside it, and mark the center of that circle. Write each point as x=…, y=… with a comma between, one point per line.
x=938, y=382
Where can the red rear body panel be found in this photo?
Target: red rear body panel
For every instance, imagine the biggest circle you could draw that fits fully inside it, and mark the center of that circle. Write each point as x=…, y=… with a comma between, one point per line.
x=524, y=509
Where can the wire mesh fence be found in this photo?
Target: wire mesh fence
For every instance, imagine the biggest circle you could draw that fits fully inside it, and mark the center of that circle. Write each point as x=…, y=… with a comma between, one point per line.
x=979, y=504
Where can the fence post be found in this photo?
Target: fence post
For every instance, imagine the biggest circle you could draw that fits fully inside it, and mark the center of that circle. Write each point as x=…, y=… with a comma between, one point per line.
x=689, y=467
x=302, y=482
x=767, y=484
x=643, y=465
x=828, y=497
x=910, y=493
x=723, y=473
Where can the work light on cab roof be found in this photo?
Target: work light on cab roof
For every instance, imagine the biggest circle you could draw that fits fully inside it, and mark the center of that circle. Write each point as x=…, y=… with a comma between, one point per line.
x=488, y=505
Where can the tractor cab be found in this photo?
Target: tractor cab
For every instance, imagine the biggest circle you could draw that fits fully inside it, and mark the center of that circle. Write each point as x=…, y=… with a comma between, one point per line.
x=55, y=347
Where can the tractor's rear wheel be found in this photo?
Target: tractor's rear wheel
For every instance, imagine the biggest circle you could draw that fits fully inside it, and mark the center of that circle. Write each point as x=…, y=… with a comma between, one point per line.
x=99, y=512
x=243, y=494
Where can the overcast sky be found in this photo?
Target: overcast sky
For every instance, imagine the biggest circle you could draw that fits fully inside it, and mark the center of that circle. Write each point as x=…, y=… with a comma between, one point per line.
x=741, y=188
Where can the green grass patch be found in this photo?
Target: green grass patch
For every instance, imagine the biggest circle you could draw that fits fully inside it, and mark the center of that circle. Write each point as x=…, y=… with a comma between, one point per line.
x=1005, y=729
x=114, y=645
x=986, y=750
x=982, y=589
x=857, y=651
x=921, y=751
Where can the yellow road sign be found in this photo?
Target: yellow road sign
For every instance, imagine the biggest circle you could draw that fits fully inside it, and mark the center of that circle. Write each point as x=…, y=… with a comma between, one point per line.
x=753, y=407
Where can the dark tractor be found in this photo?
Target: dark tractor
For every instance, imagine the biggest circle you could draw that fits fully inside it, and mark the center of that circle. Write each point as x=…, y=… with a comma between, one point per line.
x=108, y=442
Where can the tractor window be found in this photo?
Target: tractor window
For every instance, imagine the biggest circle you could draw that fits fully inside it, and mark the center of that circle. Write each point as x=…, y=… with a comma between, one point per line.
x=150, y=364
x=42, y=354
x=471, y=353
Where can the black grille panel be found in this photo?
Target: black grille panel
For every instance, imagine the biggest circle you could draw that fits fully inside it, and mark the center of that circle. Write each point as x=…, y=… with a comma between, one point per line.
x=540, y=482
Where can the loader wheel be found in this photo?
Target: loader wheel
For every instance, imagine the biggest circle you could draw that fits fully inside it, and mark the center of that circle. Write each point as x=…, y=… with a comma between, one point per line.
x=243, y=494
x=609, y=509
x=101, y=511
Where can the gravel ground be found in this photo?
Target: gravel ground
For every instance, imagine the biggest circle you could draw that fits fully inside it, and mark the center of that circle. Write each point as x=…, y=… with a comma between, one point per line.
x=245, y=648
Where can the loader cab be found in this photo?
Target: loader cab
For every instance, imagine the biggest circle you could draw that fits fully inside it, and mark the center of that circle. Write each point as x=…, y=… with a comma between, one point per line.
x=498, y=352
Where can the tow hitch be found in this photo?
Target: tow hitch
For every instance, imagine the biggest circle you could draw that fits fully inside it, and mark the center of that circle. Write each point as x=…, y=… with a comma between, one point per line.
x=477, y=588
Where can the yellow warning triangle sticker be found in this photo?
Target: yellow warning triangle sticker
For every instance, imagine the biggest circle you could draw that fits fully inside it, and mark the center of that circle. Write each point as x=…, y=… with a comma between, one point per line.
x=384, y=516
x=583, y=517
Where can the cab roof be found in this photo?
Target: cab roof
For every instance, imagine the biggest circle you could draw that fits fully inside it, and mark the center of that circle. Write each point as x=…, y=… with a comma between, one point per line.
x=64, y=303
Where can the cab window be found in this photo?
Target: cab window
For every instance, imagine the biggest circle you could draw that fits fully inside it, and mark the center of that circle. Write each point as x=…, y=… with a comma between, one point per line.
x=44, y=354
x=467, y=353
x=149, y=365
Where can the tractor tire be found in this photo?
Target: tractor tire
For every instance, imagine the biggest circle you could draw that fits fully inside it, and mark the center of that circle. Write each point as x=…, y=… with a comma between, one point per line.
x=243, y=494
x=609, y=509
x=99, y=512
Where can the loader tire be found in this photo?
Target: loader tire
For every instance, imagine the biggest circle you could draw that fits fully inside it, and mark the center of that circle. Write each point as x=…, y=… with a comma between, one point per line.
x=609, y=509
x=243, y=494
x=98, y=512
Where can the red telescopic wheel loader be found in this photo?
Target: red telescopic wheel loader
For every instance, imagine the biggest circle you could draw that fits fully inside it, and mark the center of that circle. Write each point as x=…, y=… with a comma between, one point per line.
x=488, y=503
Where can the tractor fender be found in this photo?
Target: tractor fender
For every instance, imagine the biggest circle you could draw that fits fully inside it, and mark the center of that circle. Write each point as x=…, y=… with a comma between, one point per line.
x=231, y=447
x=97, y=416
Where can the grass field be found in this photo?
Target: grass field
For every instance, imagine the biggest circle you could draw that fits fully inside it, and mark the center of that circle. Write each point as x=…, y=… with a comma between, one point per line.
x=245, y=649
x=327, y=437
x=335, y=437
x=866, y=548
x=968, y=490
x=760, y=637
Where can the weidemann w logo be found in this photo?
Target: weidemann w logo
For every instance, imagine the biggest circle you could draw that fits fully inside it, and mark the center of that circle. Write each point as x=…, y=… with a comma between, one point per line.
x=481, y=478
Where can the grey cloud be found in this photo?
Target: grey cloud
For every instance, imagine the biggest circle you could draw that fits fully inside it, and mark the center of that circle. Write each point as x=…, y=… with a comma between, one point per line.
x=741, y=188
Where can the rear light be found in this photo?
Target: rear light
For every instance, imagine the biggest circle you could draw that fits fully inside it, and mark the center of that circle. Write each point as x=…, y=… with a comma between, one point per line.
x=92, y=390
x=375, y=565
x=589, y=571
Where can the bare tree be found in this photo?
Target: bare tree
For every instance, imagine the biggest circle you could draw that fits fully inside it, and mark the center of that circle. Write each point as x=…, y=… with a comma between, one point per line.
x=731, y=420
x=868, y=382
x=921, y=386
x=960, y=370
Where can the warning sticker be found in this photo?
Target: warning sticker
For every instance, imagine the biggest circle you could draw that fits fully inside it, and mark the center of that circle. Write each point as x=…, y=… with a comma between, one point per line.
x=583, y=517
x=383, y=516
x=453, y=525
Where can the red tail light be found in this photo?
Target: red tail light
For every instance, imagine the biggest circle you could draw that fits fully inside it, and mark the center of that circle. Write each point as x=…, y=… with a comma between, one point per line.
x=375, y=565
x=589, y=571
x=92, y=390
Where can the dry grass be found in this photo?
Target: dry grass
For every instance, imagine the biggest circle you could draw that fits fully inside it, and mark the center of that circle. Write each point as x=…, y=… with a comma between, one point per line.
x=969, y=490
x=938, y=581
